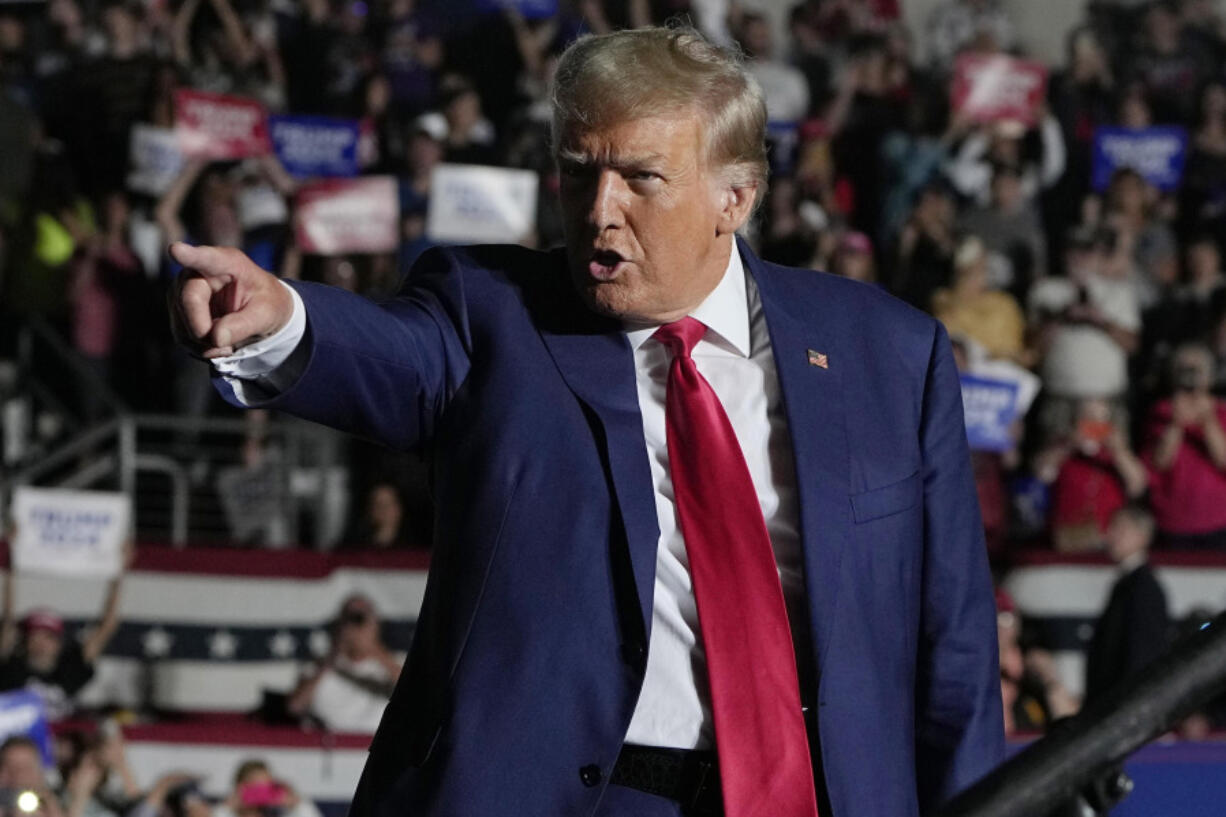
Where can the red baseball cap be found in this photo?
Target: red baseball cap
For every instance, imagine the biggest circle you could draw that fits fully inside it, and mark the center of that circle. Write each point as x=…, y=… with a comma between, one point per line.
x=42, y=618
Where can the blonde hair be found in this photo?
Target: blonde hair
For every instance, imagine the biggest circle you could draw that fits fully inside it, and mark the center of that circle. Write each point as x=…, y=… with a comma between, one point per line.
x=628, y=75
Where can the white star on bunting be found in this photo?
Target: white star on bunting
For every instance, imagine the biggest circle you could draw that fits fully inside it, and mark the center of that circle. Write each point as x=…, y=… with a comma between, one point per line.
x=157, y=642
x=223, y=644
x=282, y=644
x=319, y=642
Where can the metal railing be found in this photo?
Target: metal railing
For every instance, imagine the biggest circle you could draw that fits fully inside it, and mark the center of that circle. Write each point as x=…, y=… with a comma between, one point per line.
x=1079, y=759
x=208, y=479
x=253, y=479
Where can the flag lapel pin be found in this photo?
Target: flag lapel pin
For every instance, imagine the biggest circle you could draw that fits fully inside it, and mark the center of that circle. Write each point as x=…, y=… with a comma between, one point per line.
x=818, y=359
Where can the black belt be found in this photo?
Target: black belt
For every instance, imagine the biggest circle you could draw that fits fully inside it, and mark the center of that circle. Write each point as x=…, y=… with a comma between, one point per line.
x=691, y=777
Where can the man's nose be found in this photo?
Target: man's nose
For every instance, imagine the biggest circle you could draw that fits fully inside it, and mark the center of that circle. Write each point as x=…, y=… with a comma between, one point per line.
x=608, y=201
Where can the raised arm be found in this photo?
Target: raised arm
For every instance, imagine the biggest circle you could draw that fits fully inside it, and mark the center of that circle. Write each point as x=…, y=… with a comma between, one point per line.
x=383, y=371
x=171, y=204
x=108, y=621
x=8, y=622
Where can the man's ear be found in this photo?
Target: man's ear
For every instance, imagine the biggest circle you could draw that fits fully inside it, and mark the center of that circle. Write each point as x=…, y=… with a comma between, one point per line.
x=736, y=207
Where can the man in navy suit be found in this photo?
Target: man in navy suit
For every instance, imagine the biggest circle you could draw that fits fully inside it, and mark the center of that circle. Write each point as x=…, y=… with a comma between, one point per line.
x=559, y=665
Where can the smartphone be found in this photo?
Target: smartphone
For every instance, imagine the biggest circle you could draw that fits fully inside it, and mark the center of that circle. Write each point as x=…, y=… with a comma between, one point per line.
x=264, y=793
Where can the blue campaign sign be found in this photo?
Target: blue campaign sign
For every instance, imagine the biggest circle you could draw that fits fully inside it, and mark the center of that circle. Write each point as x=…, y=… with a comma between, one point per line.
x=990, y=407
x=1158, y=154
x=22, y=713
x=316, y=146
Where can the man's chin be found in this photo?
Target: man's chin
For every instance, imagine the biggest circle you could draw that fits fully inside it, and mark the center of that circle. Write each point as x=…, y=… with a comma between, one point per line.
x=605, y=298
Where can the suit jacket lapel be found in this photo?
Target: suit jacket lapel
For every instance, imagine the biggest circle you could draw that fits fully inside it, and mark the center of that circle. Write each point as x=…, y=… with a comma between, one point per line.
x=597, y=363
x=802, y=326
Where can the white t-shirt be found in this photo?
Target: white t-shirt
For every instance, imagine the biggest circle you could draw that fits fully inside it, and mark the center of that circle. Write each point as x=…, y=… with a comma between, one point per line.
x=1083, y=360
x=345, y=706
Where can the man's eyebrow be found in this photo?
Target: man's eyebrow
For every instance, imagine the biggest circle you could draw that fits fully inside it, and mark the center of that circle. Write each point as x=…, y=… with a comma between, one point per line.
x=638, y=162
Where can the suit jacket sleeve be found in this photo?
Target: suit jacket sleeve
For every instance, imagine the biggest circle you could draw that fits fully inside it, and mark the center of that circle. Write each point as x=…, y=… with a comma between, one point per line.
x=959, y=723
x=383, y=371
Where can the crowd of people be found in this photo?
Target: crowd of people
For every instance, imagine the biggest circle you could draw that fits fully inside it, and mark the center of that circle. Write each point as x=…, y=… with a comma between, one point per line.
x=1110, y=292
x=90, y=776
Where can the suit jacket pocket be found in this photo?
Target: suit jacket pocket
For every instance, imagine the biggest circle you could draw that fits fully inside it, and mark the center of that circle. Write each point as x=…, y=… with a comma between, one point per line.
x=887, y=500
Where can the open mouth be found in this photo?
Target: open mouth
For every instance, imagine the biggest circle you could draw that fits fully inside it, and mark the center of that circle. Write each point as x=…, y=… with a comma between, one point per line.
x=605, y=264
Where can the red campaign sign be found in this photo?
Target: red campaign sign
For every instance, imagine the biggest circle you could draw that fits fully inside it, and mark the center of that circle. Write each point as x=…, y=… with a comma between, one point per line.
x=995, y=88
x=216, y=126
x=337, y=216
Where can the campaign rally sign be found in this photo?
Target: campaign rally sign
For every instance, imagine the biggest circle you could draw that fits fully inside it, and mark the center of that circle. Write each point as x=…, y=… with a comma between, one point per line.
x=338, y=216
x=473, y=203
x=1157, y=153
x=990, y=407
x=995, y=88
x=217, y=126
x=155, y=159
x=22, y=713
x=315, y=146
x=74, y=533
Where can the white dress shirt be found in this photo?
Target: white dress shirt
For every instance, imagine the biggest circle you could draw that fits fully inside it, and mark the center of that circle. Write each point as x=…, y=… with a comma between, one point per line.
x=735, y=357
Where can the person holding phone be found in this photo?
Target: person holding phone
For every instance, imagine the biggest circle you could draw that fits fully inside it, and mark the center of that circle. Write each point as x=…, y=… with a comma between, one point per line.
x=1093, y=473
x=351, y=685
x=1186, y=453
x=257, y=793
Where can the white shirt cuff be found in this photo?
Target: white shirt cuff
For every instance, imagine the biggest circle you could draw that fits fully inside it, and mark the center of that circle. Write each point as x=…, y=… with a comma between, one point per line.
x=264, y=369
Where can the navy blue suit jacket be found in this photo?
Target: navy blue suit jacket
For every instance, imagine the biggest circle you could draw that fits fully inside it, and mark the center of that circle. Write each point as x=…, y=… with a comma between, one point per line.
x=531, y=643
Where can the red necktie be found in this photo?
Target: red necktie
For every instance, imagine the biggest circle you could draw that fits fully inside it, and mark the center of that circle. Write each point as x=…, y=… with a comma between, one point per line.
x=755, y=696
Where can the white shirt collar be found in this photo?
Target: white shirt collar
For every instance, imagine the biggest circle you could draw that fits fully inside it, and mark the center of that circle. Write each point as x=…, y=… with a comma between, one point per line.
x=725, y=312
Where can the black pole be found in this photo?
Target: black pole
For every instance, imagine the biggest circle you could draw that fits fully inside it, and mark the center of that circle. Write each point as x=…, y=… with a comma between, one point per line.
x=1053, y=770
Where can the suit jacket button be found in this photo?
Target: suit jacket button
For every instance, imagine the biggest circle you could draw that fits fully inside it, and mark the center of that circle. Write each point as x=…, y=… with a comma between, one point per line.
x=590, y=775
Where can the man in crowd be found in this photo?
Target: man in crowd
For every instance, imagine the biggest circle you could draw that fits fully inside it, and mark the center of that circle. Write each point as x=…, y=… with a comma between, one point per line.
x=1185, y=449
x=22, y=770
x=707, y=540
x=37, y=653
x=1134, y=629
x=1088, y=325
x=350, y=687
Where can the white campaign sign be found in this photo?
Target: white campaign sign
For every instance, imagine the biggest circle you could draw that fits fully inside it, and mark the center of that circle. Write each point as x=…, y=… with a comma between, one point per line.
x=77, y=533
x=155, y=159
x=471, y=203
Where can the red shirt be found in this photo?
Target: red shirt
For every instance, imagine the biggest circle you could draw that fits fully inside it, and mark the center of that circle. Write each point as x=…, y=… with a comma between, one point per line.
x=1087, y=489
x=1190, y=496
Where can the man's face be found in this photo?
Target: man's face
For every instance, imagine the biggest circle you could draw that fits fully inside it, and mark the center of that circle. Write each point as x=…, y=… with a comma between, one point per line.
x=648, y=224
x=1125, y=538
x=43, y=648
x=21, y=768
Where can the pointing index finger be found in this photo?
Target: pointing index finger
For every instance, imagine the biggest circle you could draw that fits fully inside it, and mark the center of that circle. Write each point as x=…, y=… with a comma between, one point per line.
x=204, y=260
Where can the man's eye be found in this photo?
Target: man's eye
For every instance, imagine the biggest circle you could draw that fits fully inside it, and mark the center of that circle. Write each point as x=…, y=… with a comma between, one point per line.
x=643, y=176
